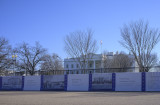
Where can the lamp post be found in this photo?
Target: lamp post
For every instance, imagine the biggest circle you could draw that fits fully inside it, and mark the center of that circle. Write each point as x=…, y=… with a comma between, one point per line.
x=14, y=59
x=101, y=55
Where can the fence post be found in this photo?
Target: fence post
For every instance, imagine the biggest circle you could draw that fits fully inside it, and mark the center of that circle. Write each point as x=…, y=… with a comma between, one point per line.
x=22, y=83
x=113, y=81
x=65, y=82
x=90, y=82
x=41, y=88
x=143, y=81
x=0, y=83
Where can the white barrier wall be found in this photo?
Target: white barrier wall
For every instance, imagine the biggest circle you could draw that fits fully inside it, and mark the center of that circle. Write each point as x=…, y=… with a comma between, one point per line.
x=102, y=81
x=78, y=82
x=82, y=82
x=128, y=82
x=11, y=82
x=32, y=83
x=153, y=81
x=53, y=82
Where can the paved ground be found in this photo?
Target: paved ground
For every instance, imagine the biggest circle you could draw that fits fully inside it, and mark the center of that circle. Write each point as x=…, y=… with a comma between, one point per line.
x=78, y=98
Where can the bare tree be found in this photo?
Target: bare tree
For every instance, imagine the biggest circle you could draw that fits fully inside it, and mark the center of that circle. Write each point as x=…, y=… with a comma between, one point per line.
x=140, y=39
x=5, y=49
x=119, y=62
x=51, y=63
x=122, y=62
x=81, y=46
x=30, y=57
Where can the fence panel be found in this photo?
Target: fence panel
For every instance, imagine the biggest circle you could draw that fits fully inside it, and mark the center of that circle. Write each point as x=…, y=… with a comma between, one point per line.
x=128, y=82
x=78, y=82
x=101, y=81
x=12, y=83
x=53, y=82
x=153, y=81
x=32, y=82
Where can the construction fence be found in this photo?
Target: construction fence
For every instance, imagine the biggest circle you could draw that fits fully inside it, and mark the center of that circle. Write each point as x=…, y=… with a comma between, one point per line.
x=144, y=81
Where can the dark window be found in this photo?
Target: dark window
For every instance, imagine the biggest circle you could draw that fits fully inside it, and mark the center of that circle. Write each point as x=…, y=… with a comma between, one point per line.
x=77, y=66
x=90, y=65
x=67, y=66
x=77, y=72
x=72, y=66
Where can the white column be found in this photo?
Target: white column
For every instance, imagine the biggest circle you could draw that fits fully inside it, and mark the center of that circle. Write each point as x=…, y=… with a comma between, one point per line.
x=94, y=65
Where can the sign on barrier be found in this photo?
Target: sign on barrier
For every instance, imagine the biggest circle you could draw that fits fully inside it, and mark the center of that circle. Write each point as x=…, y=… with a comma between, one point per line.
x=53, y=82
x=153, y=81
x=12, y=83
x=78, y=82
x=102, y=81
x=128, y=82
x=32, y=82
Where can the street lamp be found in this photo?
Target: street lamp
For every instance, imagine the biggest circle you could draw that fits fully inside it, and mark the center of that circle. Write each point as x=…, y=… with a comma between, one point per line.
x=101, y=55
x=14, y=59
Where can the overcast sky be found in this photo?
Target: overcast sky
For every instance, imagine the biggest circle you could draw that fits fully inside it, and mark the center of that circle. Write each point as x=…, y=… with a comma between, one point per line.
x=49, y=21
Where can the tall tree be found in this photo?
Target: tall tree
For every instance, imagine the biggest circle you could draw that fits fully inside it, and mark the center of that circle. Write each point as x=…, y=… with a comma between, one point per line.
x=81, y=46
x=5, y=49
x=123, y=62
x=140, y=40
x=51, y=63
x=30, y=56
x=119, y=62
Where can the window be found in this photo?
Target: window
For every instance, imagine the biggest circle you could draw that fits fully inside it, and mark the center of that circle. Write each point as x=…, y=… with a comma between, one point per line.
x=72, y=66
x=77, y=66
x=90, y=65
x=77, y=72
x=67, y=66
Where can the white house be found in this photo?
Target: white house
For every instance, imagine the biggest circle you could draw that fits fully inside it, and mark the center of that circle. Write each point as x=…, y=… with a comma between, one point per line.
x=93, y=64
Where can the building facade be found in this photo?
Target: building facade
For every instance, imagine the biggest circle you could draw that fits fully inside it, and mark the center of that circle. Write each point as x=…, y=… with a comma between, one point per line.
x=94, y=64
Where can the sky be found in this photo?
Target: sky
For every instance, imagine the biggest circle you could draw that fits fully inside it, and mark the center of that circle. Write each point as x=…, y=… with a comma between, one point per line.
x=49, y=21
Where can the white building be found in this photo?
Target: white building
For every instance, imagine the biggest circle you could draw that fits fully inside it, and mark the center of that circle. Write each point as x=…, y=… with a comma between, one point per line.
x=93, y=64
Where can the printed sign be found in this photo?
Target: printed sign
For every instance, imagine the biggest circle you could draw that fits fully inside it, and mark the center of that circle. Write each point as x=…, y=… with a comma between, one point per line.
x=53, y=82
x=102, y=81
x=32, y=82
x=128, y=82
x=78, y=82
x=153, y=81
x=12, y=83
